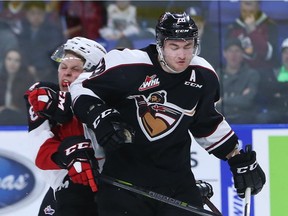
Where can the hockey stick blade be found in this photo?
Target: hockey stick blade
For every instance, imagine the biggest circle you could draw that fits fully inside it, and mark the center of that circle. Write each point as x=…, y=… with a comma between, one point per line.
x=247, y=201
x=156, y=196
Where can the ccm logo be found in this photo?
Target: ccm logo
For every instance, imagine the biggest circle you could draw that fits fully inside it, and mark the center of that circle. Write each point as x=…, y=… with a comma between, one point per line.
x=103, y=115
x=181, y=30
x=188, y=83
x=82, y=145
x=247, y=168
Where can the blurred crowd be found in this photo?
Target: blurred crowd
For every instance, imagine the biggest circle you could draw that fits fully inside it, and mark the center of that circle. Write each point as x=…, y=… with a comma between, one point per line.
x=248, y=48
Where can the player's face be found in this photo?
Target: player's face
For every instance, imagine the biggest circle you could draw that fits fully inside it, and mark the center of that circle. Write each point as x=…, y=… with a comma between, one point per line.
x=69, y=69
x=178, y=53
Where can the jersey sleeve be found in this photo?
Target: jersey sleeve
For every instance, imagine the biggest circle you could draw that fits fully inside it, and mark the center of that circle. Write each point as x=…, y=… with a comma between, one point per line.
x=50, y=146
x=210, y=129
x=47, y=149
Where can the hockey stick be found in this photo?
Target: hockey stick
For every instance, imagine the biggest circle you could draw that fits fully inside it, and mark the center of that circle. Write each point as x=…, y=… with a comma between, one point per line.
x=247, y=201
x=206, y=192
x=211, y=206
x=156, y=196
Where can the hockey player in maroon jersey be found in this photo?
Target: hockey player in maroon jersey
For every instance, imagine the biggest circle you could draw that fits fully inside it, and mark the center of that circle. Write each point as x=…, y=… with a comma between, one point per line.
x=63, y=152
x=142, y=104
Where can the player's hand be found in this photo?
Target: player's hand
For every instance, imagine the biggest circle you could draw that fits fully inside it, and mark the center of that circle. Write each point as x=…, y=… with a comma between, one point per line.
x=77, y=156
x=247, y=172
x=206, y=189
x=110, y=130
x=51, y=104
x=120, y=134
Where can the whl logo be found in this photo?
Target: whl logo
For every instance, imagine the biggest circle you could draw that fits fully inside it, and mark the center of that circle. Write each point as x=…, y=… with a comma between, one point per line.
x=150, y=82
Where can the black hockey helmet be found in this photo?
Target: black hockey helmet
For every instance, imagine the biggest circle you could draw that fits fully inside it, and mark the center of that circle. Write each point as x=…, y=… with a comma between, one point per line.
x=176, y=26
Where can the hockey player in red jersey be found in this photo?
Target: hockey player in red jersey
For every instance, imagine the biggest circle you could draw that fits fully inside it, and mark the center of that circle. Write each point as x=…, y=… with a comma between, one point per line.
x=141, y=106
x=61, y=149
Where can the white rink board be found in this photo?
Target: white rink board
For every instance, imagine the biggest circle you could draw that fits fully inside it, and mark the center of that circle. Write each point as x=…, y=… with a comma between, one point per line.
x=17, y=144
x=207, y=169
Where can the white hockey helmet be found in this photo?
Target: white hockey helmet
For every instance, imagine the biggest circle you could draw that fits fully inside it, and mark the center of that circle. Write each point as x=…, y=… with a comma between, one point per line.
x=90, y=50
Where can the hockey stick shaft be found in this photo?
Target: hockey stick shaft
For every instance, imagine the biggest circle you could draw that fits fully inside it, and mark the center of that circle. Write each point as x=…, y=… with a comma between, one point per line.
x=211, y=206
x=247, y=201
x=156, y=196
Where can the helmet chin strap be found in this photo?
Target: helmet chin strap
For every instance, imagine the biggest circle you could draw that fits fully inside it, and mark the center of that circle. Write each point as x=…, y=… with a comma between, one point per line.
x=163, y=62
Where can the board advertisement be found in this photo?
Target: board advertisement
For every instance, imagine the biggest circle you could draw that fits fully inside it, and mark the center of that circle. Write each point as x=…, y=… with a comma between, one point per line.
x=22, y=188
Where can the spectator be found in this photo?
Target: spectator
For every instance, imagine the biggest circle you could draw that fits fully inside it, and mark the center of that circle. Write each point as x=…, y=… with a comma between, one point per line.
x=122, y=23
x=8, y=40
x=209, y=42
x=14, y=80
x=82, y=18
x=39, y=38
x=258, y=35
x=13, y=14
x=239, y=85
x=273, y=90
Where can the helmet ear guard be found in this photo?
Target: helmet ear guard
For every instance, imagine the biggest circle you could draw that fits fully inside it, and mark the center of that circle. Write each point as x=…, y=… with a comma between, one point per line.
x=90, y=50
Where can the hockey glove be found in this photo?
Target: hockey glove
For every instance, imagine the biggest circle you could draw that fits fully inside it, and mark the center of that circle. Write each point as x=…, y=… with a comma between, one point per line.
x=247, y=172
x=110, y=130
x=51, y=104
x=205, y=189
x=77, y=156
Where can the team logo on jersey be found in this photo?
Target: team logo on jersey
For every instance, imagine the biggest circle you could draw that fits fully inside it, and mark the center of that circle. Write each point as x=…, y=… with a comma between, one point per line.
x=157, y=117
x=149, y=82
x=49, y=210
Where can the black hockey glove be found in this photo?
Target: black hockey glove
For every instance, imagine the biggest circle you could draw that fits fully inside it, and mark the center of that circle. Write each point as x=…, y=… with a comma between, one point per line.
x=51, y=104
x=247, y=172
x=77, y=156
x=205, y=189
x=110, y=130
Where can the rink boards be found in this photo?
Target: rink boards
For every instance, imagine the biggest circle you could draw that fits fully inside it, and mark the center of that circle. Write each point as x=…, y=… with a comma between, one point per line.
x=21, y=186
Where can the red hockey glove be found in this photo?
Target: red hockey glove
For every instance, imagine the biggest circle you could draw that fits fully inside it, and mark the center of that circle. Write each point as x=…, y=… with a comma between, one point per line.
x=247, y=172
x=77, y=156
x=82, y=173
x=51, y=104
